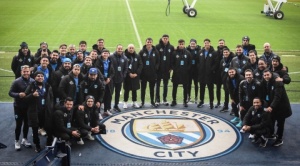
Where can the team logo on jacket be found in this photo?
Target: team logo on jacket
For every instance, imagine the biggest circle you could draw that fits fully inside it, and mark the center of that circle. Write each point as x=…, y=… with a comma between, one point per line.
x=170, y=135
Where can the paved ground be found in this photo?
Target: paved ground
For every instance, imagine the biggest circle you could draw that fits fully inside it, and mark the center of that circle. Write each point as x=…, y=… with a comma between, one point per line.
x=94, y=153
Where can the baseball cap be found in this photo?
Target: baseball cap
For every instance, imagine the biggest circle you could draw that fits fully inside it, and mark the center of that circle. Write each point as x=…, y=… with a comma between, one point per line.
x=67, y=60
x=246, y=38
x=93, y=71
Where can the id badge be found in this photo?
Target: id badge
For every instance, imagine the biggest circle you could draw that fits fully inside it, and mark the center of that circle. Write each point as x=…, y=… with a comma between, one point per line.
x=130, y=66
x=105, y=75
x=43, y=101
x=165, y=58
x=57, y=100
x=119, y=68
x=68, y=125
x=85, y=90
x=181, y=63
x=246, y=98
x=239, y=70
x=147, y=63
x=89, y=124
x=267, y=98
x=226, y=69
x=193, y=62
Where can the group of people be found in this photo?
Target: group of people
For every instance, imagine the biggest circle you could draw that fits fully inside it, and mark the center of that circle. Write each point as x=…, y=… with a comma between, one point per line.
x=60, y=93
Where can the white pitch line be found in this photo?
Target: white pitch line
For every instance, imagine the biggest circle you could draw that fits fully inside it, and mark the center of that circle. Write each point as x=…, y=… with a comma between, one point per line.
x=294, y=72
x=6, y=70
x=134, y=25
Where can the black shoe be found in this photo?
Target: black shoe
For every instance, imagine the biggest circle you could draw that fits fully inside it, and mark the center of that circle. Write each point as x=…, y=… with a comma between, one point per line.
x=200, y=105
x=211, y=106
x=142, y=105
x=224, y=109
x=38, y=148
x=263, y=142
x=278, y=142
x=173, y=103
x=166, y=103
x=218, y=105
x=154, y=105
x=116, y=108
x=185, y=104
x=231, y=113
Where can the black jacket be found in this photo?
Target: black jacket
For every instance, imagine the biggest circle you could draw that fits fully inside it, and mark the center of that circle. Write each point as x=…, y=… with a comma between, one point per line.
x=234, y=89
x=56, y=78
x=258, y=119
x=135, y=66
x=19, y=85
x=67, y=87
x=282, y=74
x=274, y=94
x=87, y=118
x=37, y=56
x=181, y=65
x=61, y=118
x=238, y=62
x=224, y=66
x=120, y=64
x=268, y=58
x=218, y=58
x=150, y=64
x=95, y=89
x=247, y=48
x=248, y=91
x=194, y=55
x=19, y=60
x=165, y=53
x=111, y=72
x=206, y=66
x=36, y=104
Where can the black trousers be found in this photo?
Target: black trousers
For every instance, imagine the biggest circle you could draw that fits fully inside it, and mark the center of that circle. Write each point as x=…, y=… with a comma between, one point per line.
x=226, y=95
x=143, y=90
x=244, y=112
x=126, y=95
x=118, y=87
x=235, y=109
x=196, y=86
x=35, y=135
x=165, y=89
x=218, y=92
x=280, y=125
x=21, y=120
x=210, y=87
x=174, y=92
x=107, y=99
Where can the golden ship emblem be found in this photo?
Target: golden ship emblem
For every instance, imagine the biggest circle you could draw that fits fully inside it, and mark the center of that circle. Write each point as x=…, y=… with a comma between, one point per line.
x=165, y=126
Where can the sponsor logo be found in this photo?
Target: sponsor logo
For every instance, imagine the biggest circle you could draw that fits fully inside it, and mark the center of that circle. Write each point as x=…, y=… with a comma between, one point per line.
x=170, y=135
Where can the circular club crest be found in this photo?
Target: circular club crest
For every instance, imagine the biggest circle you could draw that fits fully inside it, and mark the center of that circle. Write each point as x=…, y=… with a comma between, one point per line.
x=170, y=135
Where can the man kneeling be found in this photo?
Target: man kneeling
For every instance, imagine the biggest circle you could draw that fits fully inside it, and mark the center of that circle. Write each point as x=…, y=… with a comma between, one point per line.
x=64, y=123
x=258, y=122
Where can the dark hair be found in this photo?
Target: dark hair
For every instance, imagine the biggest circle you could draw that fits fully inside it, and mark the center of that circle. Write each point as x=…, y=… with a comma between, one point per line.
x=82, y=42
x=249, y=70
x=149, y=38
x=206, y=40
x=252, y=51
x=55, y=51
x=262, y=59
x=226, y=49
x=239, y=46
x=222, y=40
x=181, y=41
x=267, y=70
x=68, y=99
x=100, y=39
x=63, y=45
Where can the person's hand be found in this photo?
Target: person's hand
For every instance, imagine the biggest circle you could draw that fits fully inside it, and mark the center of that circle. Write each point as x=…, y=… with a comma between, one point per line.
x=75, y=134
x=36, y=93
x=269, y=109
x=98, y=104
x=242, y=108
x=22, y=94
x=278, y=79
x=81, y=107
x=107, y=81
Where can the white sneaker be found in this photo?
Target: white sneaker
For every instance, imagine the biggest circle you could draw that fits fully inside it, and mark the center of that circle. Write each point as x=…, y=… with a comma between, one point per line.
x=135, y=105
x=251, y=136
x=42, y=132
x=242, y=131
x=125, y=105
x=17, y=145
x=100, y=116
x=25, y=143
x=90, y=137
x=80, y=142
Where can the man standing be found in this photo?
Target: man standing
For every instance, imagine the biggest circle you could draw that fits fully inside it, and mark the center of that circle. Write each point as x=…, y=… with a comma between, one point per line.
x=181, y=65
x=240, y=60
x=206, y=70
x=54, y=60
x=247, y=46
x=248, y=90
x=165, y=50
x=16, y=91
x=120, y=64
x=194, y=49
x=99, y=46
x=268, y=55
x=22, y=58
x=69, y=85
x=277, y=102
x=150, y=58
x=83, y=47
x=132, y=80
x=45, y=68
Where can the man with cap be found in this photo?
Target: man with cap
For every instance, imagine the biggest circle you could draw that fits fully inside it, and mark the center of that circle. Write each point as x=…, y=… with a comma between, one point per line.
x=106, y=68
x=120, y=64
x=42, y=51
x=23, y=57
x=278, y=68
x=92, y=86
x=247, y=46
x=39, y=98
x=16, y=91
x=165, y=50
x=69, y=86
x=63, y=71
x=194, y=49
